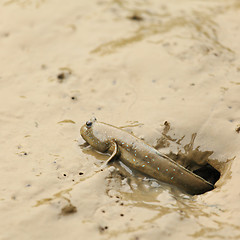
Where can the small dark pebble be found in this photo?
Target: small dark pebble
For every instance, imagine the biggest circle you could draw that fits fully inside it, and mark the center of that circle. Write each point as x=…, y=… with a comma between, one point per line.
x=61, y=76
x=121, y=214
x=73, y=98
x=81, y=173
x=25, y=153
x=121, y=204
x=103, y=211
x=64, y=175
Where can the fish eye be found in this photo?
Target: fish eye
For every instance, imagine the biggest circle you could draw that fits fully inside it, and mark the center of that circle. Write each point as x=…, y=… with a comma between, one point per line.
x=88, y=124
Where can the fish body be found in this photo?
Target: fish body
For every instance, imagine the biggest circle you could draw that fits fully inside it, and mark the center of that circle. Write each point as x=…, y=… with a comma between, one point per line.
x=138, y=155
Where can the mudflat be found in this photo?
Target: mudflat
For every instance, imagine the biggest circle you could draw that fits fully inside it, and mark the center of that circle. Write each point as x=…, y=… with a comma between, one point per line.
x=168, y=72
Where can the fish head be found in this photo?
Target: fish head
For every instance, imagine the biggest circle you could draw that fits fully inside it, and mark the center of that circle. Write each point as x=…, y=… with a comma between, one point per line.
x=94, y=134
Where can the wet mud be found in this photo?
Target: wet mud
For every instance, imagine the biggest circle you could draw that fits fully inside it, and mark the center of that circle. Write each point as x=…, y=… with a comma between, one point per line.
x=167, y=72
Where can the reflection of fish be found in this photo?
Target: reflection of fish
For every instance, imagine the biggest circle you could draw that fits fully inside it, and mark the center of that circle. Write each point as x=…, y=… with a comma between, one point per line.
x=138, y=155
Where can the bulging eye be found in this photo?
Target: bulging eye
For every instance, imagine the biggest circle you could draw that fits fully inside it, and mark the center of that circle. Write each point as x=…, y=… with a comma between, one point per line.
x=88, y=124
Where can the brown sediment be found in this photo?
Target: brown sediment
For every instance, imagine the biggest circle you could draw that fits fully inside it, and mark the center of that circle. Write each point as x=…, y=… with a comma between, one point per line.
x=135, y=64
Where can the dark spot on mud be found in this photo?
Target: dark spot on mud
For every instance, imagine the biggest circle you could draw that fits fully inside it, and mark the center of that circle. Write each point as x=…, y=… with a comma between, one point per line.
x=6, y=34
x=102, y=229
x=43, y=67
x=238, y=129
x=61, y=76
x=68, y=209
x=121, y=204
x=25, y=154
x=73, y=98
x=64, y=174
x=64, y=74
x=13, y=197
x=121, y=214
x=136, y=17
x=103, y=211
x=81, y=173
x=167, y=126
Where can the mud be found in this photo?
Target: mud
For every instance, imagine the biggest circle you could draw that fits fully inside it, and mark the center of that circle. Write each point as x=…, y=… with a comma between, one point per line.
x=166, y=71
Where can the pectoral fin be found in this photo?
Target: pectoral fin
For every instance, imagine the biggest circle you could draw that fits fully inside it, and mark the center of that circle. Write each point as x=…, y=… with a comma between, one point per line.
x=114, y=156
x=115, y=153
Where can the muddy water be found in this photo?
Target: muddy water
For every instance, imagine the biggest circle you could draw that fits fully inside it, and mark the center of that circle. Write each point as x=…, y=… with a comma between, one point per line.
x=129, y=63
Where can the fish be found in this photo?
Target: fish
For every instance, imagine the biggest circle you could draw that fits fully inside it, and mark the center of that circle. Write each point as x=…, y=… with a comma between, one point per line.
x=140, y=156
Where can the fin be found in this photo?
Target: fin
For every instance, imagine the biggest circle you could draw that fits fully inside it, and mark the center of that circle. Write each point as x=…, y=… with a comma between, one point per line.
x=114, y=156
x=115, y=153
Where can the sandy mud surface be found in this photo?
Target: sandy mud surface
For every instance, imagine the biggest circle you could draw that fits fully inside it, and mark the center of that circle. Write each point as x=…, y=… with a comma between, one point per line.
x=168, y=71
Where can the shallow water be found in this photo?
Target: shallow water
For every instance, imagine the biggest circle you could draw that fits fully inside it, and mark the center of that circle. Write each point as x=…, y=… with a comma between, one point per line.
x=136, y=64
